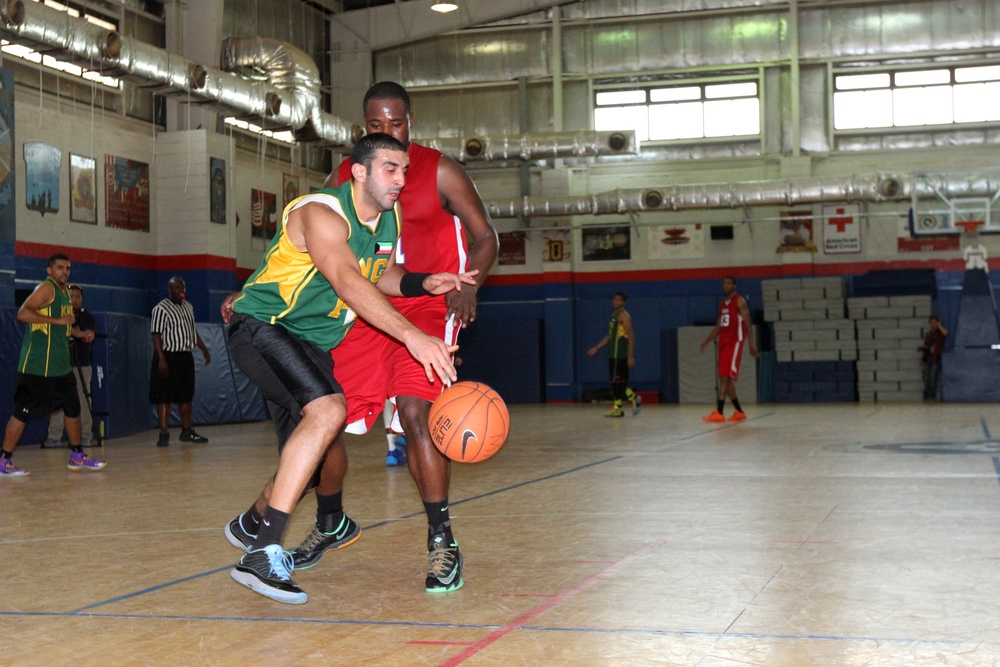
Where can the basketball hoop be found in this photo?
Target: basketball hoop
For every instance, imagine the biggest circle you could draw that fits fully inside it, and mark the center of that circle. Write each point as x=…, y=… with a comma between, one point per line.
x=970, y=227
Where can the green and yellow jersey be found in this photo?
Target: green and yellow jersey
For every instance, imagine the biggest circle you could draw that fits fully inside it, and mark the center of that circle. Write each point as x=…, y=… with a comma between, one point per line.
x=289, y=290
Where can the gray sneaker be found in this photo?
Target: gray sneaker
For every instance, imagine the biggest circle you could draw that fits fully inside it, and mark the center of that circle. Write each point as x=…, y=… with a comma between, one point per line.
x=318, y=543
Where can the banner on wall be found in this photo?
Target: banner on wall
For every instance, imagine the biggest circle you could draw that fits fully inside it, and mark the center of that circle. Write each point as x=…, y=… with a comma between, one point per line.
x=82, y=189
x=42, y=163
x=8, y=215
x=126, y=196
x=217, y=190
x=841, y=229
x=263, y=225
x=512, y=245
x=676, y=242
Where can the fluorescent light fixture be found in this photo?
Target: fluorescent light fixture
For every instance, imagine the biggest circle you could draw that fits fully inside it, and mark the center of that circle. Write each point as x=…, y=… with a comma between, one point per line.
x=444, y=7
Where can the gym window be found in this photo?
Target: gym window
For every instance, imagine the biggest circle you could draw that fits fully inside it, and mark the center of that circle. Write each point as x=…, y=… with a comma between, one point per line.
x=681, y=111
x=907, y=98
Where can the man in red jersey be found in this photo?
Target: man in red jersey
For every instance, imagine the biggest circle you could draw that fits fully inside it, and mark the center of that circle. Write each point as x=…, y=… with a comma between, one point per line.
x=733, y=330
x=440, y=207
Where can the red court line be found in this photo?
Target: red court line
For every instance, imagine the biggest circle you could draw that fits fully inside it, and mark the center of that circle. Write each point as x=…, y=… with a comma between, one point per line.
x=531, y=614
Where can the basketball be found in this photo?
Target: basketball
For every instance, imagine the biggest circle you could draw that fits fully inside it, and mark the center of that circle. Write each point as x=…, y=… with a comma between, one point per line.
x=469, y=422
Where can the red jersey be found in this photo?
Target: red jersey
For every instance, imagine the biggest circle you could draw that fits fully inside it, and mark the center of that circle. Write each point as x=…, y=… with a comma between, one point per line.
x=432, y=240
x=732, y=328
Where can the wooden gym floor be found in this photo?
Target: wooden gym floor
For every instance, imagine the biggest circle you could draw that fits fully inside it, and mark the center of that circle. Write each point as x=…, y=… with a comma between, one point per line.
x=809, y=535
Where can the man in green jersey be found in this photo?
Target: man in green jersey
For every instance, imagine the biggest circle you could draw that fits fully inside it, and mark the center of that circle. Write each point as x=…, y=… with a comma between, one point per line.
x=621, y=356
x=45, y=379
x=316, y=277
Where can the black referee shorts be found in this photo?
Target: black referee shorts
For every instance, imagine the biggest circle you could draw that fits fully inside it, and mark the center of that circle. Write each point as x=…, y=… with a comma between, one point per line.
x=37, y=396
x=178, y=385
x=290, y=372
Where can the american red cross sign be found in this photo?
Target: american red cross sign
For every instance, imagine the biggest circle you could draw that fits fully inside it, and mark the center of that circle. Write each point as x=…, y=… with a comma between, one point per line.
x=841, y=233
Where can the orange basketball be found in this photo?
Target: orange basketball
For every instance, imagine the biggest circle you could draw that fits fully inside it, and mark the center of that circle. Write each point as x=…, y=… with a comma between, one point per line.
x=469, y=422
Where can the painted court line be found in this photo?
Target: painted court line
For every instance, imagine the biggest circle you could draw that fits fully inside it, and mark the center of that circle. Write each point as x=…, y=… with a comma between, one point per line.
x=496, y=635
x=168, y=584
x=712, y=430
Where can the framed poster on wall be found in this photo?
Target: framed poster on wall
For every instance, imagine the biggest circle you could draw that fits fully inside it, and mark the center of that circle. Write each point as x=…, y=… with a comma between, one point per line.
x=82, y=189
x=601, y=244
x=126, y=196
x=42, y=163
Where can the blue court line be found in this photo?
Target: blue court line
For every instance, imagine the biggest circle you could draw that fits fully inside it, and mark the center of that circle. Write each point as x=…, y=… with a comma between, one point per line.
x=986, y=428
x=727, y=425
x=168, y=584
x=489, y=626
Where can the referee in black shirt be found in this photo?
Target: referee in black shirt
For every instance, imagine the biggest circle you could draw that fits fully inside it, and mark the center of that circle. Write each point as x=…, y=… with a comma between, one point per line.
x=171, y=379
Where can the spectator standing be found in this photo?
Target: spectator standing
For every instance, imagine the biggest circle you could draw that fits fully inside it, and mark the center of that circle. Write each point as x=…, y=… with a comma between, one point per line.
x=931, y=357
x=171, y=379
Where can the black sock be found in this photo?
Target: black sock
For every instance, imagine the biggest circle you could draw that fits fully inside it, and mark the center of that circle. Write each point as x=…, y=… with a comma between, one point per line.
x=272, y=528
x=78, y=449
x=438, y=520
x=329, y=504
x=6, y=455
x=736, y=404
x=329, y=511
x=719, y=405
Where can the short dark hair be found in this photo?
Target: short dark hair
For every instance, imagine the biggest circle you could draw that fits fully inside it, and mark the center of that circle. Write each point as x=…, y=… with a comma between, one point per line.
x=55, y=258
x=622, y=295
x=364, y=151
x=386, y=90
x=77, y=288
x=729, y=278
x=935, y=318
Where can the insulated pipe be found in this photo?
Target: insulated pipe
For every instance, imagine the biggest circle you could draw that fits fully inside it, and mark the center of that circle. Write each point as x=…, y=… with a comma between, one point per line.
x=858, y=188
x=536, y=145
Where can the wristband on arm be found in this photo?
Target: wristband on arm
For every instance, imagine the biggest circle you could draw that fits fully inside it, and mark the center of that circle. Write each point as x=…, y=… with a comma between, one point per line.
x=412, y=284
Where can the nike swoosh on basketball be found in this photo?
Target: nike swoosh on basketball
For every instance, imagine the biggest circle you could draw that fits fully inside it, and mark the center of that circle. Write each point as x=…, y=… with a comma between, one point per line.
x=465, y=440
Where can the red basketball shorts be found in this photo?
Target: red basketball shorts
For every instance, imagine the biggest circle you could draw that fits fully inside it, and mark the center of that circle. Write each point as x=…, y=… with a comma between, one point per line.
x=730, y=355
x=371, y=366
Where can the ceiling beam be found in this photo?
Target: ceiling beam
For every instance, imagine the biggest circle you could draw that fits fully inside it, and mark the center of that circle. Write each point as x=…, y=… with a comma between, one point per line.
x=403, y=22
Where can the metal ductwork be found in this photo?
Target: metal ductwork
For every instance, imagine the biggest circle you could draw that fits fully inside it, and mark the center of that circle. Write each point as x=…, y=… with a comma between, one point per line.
x=286, y=94
x=858, y=188
x=291, y=70
x=279, y=101
x=537, y=146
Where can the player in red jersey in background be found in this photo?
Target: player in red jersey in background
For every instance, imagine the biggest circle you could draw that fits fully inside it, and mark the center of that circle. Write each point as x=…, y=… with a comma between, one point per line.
x=733, y=331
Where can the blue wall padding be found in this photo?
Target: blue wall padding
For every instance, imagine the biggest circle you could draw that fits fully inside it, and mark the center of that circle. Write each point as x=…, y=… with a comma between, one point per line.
x=815, y=382
x=893, y=282
x=670, y=368
x=223, y=394
x=970, y=368
x=123, y=354
x=11, y=334
x=505, y=354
